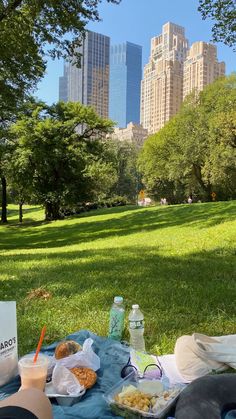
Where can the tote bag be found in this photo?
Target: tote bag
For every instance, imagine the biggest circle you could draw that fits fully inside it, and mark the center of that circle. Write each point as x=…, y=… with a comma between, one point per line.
x=8, y=341
x=198, y=355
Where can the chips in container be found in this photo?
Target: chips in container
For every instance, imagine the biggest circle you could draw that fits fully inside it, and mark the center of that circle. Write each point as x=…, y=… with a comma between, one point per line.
x=133, y=397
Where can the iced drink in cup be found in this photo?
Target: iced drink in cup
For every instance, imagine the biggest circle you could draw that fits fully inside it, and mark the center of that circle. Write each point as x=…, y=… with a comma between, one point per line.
x=33, y=374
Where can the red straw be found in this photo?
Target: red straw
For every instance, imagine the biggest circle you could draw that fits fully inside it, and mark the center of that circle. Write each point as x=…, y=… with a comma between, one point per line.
x=40, y=343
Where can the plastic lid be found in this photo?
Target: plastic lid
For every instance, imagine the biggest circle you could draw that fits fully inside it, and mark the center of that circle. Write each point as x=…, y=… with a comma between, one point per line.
x=118, y=300
x=135, y=306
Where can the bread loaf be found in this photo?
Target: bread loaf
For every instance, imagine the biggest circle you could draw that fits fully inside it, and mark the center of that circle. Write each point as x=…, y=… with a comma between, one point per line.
x=85, y=376
x=66, y=348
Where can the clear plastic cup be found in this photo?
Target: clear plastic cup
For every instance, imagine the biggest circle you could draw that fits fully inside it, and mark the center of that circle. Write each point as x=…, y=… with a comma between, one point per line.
x=33, y=374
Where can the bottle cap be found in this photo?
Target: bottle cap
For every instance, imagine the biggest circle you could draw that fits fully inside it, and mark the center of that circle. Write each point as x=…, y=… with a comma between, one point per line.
x=118, y=300
x=134, y=306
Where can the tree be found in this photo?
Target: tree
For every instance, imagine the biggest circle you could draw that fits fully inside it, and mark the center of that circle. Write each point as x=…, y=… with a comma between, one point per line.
x=195, y=153
x=123, y=156
x=102, y=176
x=220, y=164
x=3, y=182
x=223, y=12
x=7, y=144
x=154, y=163
x=30, y=30
x=54, y=147
x=218, y=105
x=19, y=179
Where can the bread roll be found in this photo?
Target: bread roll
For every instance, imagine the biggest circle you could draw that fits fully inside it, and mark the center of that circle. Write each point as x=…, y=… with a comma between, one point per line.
x=85, y=376
x=66, y=348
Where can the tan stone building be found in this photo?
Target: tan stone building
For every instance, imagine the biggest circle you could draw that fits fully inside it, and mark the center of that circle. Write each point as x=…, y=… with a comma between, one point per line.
x=134, y=133
x=201, y=67
x=172, y=72
x=162, y=84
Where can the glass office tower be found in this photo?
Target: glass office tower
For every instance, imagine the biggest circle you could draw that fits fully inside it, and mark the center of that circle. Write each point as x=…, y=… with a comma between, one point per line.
x=89, y=84
x=63, y=85
x=125, y=82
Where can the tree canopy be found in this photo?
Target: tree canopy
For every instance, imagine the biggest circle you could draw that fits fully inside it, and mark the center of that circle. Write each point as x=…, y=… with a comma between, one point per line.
x=55, y=146
x=61, y=156
x=29, y=31
x=123, y=155
x=223, y=13
x=195, y=153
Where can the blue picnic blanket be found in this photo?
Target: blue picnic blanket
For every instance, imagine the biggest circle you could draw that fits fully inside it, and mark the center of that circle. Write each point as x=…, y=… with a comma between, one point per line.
x=113, y=356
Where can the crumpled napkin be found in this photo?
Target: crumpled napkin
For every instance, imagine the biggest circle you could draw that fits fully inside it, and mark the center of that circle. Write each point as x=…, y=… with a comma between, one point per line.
x=64, y=382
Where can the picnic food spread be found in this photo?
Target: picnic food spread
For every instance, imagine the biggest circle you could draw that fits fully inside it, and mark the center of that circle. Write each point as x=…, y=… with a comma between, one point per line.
x=85, y=376
x=133, y=398
x=71, y=371
x=66, y=348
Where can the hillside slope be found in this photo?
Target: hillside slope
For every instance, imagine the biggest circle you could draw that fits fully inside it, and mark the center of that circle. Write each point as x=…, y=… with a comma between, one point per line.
x=177, y=262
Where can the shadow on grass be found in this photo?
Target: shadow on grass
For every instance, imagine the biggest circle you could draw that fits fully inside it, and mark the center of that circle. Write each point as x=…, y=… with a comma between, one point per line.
x=177, y=294
x=83, y=229
x=14, y=212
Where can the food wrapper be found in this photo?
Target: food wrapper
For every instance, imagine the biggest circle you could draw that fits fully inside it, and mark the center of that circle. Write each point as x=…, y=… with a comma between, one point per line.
x=64, y=382
x=85, y=358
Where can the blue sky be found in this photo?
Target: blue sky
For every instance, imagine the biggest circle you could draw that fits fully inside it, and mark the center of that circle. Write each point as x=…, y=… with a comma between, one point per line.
x=138, y=21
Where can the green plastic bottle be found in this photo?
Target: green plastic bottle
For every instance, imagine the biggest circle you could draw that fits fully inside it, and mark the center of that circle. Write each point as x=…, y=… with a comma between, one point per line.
x=117, y=318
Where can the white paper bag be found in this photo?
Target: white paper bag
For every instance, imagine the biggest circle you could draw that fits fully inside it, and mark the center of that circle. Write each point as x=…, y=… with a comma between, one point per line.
x=8, y=341
x=64, y=382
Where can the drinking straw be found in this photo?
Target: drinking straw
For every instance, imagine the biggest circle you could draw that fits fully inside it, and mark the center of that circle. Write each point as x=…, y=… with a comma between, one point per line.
x=40, y=343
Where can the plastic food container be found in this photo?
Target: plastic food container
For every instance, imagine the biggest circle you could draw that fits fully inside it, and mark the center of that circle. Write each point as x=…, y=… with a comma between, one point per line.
x=133, y=413
x=63, y=400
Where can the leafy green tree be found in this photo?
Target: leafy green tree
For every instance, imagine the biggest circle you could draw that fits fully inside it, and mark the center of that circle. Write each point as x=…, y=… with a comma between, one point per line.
x=53, y=150
x=7, y=145
x=123, y=156
x=154, y=163
x=220, y=164
x=223, y=12
x=3, y=180
x=30, y=30
x=218, y=105
x=195, y=152
x=101, y=176
x=18, y=178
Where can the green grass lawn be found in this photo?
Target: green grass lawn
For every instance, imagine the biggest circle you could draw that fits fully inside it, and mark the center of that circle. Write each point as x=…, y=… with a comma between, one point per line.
x=177, y=262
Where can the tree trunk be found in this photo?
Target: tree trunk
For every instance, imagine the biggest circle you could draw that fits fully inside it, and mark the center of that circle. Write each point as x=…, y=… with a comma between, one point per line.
x=4, y=200
x=52, y=211
x=209, y=192
x=206, y=187
x=20, y=212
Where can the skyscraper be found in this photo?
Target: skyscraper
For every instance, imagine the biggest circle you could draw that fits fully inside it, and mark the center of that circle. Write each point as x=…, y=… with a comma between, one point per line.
x=125, y=81
x=89, y=84
x=63, y=85
x=201, y=67
x=162, y=84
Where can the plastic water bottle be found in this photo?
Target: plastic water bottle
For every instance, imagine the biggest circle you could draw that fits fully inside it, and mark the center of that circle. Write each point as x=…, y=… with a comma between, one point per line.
x=117, y=317
x=136, y=328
